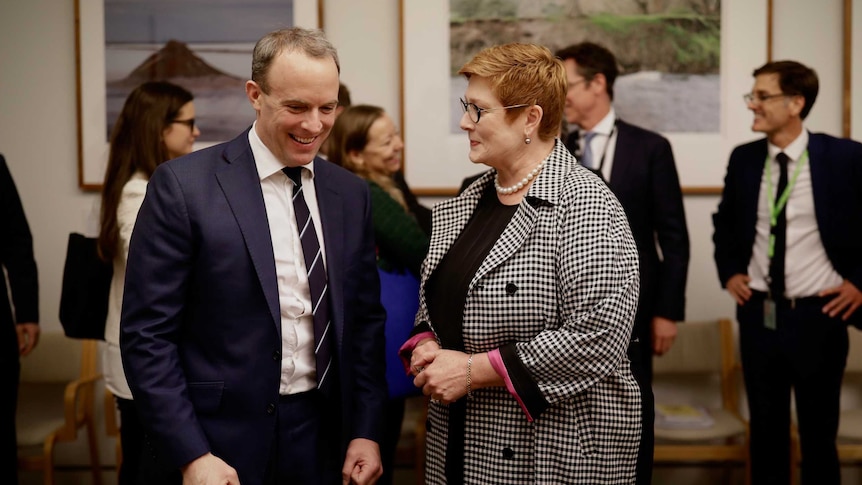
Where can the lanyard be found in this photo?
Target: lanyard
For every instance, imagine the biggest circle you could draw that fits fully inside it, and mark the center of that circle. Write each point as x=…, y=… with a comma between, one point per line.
x=776, y=206
x=598, y=170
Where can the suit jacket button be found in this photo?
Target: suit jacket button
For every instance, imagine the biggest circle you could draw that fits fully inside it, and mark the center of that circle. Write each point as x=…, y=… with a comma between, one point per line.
x=511, y=288
x=508, y=453
x=276, y=356
x=270, y=408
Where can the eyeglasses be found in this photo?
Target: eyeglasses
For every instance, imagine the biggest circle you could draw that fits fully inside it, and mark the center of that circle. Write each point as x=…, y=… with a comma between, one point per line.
x=475, y=112
x=575, y=83
x=761, y=98
x=189, y=122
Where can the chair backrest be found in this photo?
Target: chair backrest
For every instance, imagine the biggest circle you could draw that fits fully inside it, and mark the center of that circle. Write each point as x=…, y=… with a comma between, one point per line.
x=700, y=348
x=57, y=358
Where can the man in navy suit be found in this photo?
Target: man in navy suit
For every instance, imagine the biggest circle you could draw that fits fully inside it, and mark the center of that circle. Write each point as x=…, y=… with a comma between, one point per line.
x=639, y=167
x=788, y=247
x=219, y=333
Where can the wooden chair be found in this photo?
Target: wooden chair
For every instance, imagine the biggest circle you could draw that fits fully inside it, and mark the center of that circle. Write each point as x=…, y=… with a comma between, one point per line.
x=702, y=359
x=112, y=426
x=55, y=400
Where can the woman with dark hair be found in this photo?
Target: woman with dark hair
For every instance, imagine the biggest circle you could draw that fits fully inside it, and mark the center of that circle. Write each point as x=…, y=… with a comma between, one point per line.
x=157, y=123
x=365, y=141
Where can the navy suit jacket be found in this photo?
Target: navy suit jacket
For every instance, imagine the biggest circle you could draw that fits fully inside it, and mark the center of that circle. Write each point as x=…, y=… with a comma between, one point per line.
x=201, y=324
x=836, y=180
x=645, y=180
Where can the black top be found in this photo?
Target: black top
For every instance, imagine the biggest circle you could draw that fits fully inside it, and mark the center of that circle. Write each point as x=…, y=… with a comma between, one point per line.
x=446, y=295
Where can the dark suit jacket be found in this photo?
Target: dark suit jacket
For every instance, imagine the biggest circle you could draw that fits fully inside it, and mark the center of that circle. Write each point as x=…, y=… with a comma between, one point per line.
x=201, y=325
x=645, y=180
x=836, y=180
x=16, y=256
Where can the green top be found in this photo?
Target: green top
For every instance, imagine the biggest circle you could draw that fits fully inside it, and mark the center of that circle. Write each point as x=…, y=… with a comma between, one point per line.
x=401, y=243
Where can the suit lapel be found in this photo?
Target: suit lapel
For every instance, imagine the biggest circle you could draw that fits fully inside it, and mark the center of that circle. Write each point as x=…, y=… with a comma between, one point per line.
x=241, y=186
x=751, y=180
x=332, y=219
x=819, y=179
x=624, y=156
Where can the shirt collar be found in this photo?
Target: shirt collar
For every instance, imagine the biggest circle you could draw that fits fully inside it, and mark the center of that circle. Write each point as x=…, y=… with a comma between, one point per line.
x=264, y=160
x=794, y=150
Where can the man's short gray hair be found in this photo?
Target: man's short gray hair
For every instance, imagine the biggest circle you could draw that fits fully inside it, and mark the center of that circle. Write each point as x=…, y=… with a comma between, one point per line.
x=311, y=42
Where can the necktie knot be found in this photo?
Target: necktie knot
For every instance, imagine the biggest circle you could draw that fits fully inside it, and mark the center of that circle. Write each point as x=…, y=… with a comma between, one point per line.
x=782, y=159
x=295, y=174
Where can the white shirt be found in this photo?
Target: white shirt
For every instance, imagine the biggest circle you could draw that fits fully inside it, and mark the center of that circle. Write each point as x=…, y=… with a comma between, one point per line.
x=602, y=144
x=298, y=373
x=807, y=268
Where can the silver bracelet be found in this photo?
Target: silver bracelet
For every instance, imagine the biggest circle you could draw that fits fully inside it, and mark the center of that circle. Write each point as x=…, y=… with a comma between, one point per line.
x=469, y=377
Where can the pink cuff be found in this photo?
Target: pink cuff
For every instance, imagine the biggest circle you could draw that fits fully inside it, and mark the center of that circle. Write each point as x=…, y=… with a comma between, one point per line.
x=407, y=349
x=497, y=363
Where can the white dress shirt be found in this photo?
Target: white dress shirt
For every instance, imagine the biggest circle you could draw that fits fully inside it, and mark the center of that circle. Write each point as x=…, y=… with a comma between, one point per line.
x=807, y=268
x=602, y=144
x=298, y=372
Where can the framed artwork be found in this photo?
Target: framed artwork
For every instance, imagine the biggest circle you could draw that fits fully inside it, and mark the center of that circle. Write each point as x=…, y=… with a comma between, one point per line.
x=675, y=77
x=205, y=47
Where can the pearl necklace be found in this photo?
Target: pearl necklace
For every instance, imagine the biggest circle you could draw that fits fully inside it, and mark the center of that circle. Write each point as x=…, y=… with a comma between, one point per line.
x=520, y=185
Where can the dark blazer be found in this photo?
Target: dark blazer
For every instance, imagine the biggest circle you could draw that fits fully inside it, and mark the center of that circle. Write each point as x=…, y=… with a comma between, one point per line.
x=16, y=256
x=645, y=180
x=836, y=180
x=201, y=326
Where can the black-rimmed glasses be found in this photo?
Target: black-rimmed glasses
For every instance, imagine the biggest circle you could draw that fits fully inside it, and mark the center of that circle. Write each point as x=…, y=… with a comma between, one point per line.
x=475, y=112
x=752, y=98
x=189, y=122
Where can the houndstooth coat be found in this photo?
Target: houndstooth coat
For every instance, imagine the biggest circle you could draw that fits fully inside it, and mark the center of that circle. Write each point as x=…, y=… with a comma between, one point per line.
x=571, y=257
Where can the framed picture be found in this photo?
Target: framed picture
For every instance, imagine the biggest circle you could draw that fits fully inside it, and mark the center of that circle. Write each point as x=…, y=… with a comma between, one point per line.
x=702, y=126
x=202, y=46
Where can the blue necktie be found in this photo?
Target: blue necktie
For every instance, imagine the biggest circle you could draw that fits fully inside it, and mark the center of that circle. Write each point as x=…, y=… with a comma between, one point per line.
x=316, y=278
x=587, y=157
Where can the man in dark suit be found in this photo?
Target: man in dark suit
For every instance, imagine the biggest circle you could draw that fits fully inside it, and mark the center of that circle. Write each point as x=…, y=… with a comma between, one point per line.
x=639, y=168
x=788, y=247
x=21, y=332
x=252, y=330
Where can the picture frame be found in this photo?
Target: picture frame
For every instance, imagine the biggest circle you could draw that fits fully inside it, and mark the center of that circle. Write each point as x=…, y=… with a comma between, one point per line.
x=436, y=161
x=91, y=89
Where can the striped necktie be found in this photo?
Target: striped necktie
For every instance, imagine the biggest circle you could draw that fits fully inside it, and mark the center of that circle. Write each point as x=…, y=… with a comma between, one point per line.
x=316, y=278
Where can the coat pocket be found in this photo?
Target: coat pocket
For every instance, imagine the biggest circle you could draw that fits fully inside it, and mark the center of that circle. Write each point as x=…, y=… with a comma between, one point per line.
x=206, y=396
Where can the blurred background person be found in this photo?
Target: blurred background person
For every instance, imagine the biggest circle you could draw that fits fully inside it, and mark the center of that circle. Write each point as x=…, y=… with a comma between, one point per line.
x=639, y=168
x=365, y=140
x=157, y=124
x=21, y=329
x=528, y=298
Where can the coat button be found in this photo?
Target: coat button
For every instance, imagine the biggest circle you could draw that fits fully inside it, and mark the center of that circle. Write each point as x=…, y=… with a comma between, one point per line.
x=270, y=408
x=276, y=356
x=508, y=453
x=511, y=288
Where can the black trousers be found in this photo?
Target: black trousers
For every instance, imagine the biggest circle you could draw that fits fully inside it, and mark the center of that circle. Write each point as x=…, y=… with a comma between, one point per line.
x=806, y=353
x=640, y=356
x=11, y=368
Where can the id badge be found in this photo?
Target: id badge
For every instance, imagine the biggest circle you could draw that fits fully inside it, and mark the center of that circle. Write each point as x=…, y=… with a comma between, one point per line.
x=769, y=314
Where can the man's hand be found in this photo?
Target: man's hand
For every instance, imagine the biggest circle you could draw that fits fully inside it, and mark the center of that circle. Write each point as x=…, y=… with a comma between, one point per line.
x=362, y=464
x=209, y=470
x=663, y=334
x=738, y=288
x=847, y=300
x=28, y=337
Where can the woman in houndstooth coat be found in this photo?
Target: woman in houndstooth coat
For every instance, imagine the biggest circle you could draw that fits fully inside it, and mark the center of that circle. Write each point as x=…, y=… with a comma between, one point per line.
x=528, y=298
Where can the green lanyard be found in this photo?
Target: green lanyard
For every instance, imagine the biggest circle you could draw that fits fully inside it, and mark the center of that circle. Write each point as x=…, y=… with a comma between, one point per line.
x=775, y=207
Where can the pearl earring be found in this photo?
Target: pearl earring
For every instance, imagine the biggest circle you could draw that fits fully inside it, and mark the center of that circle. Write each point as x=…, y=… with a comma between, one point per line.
x=527, y=140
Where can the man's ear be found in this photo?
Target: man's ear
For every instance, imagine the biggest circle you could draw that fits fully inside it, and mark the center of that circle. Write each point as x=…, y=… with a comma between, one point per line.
x=796, y=104
x=253, y=92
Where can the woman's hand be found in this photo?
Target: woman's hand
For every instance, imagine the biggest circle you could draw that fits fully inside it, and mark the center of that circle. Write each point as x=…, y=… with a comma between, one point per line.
x=444, y=377
x=423, y=354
